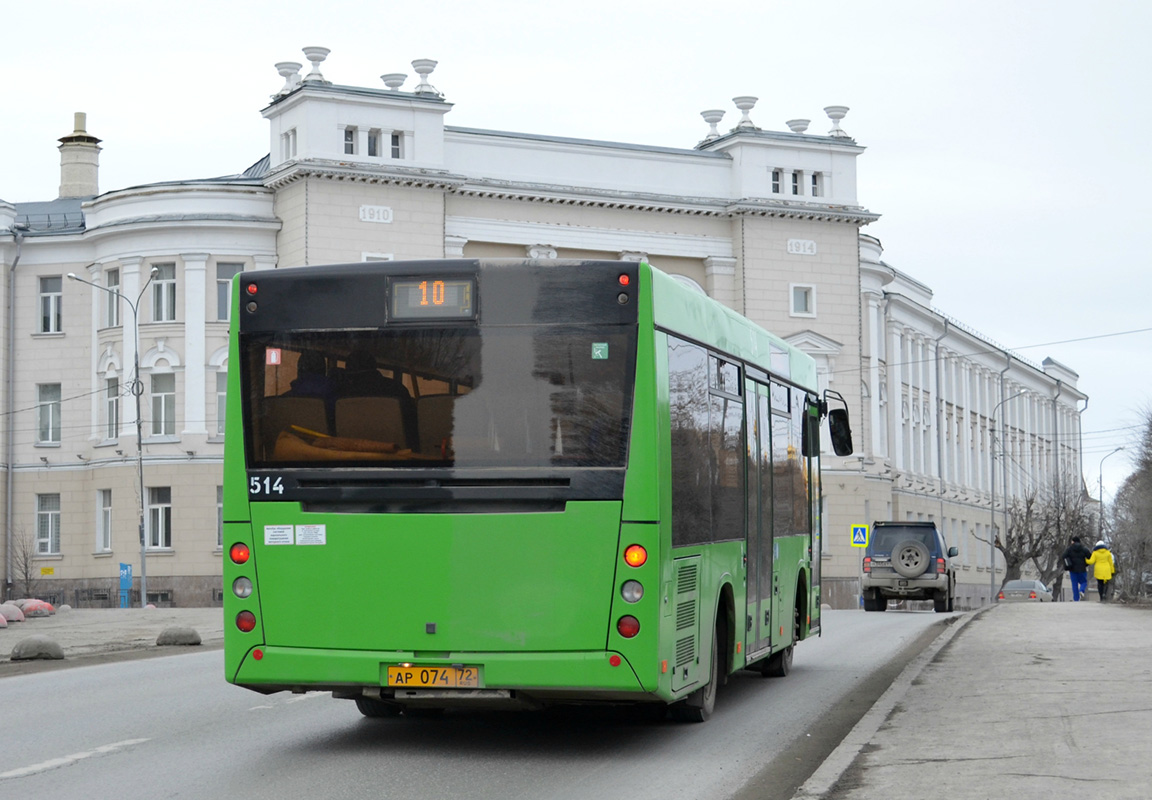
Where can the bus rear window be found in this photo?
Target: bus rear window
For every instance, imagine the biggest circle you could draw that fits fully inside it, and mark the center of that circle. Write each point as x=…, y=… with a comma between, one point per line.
x=514, y=396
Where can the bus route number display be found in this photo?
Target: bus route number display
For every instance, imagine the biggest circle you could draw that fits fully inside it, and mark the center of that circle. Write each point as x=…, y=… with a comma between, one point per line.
x=433, y=298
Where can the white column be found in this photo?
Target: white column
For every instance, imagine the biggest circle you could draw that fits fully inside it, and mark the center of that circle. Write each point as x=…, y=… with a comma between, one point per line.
x=96, y=382
x=876, y=344
x=720, y=279
x=966, y=424
x=896, y=396
x=195, y=301
x=935, y=407
x=130, y=283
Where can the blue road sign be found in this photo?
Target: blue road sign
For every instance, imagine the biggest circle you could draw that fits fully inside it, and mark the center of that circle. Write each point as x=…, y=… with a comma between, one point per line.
x=859, y=535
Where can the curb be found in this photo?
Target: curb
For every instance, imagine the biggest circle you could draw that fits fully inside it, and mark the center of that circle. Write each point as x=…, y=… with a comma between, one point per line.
x=821, y=782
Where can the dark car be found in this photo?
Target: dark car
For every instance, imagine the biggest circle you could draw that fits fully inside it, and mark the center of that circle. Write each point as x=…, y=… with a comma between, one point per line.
x=908, y=561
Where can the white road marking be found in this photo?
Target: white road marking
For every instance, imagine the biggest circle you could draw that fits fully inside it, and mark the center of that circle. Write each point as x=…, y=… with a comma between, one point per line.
x=64, y=761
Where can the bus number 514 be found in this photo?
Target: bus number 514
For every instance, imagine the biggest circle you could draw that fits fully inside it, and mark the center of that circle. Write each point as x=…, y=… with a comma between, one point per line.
x=265, y=486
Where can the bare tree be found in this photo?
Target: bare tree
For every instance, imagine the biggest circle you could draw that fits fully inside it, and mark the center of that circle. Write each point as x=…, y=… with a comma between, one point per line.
x=1130, y=523
x=26, y=572
x=1024, y=539
x=1065, y=514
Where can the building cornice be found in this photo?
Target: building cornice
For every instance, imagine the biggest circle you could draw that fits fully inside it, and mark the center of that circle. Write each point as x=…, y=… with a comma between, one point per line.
x=418, y=177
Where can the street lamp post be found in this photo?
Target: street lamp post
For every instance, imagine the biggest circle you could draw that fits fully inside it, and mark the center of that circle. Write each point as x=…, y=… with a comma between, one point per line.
x=1114, y=452
x=137, y=390
x=992, y=505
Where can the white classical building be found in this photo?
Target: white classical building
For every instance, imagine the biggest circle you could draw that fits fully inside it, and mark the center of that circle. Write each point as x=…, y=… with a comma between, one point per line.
x=767, y=222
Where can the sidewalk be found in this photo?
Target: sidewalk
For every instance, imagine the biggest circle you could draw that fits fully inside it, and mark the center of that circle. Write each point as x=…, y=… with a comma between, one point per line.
x=1015, y=701
x=93, y=635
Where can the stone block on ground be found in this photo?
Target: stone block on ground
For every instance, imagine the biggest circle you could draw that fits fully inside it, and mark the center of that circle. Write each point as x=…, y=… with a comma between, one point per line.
x=37, y=647
x=178, y=635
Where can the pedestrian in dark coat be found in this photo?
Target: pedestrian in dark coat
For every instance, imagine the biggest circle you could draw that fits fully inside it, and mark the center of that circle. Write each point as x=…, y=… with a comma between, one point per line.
x=1075, y=561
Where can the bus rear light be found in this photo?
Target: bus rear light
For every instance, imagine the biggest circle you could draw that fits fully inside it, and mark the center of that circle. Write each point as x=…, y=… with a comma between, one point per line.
x=239, y=553
x=242, y=587
x=867, y=563
x=246, y=621
x=632, y=591
x=251, y=288
x=614, y=660
x=635, y=555
x=258, y=654
x=628, y=626
x=625, y=280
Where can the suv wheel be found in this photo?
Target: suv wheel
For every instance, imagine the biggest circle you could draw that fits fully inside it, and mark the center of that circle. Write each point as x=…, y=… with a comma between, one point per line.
x=910, y=558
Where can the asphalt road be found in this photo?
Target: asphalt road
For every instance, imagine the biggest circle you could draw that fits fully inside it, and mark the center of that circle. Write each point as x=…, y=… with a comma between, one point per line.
x=171, y=727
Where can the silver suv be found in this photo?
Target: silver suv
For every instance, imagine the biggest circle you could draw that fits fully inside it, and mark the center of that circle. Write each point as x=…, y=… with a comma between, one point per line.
x=908, y=561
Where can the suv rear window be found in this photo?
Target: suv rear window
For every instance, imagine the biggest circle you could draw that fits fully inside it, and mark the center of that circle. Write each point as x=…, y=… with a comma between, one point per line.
x=887, y=537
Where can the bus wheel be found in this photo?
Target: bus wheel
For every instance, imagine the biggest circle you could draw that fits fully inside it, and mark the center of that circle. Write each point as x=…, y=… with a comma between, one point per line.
x=370, y=707
x=698, y=706
x=778, y=665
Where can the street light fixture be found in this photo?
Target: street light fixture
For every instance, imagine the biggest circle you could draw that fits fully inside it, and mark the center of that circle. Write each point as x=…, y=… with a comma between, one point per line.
x=992, y=505
x=137, y=390
x=1114, y=452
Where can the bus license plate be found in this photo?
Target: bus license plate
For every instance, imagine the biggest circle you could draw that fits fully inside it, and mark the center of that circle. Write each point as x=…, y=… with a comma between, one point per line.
x=418, y=677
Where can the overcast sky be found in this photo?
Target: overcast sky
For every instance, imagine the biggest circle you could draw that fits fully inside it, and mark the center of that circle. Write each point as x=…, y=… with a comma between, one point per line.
x=1007, y=142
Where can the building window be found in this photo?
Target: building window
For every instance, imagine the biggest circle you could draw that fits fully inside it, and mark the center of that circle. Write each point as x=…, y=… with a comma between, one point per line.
x=373, y=143
x=48, y=413
x=397, y=139
x=164, y=293
x=112, y=408
x=112, y=307
x=219, y=517
x=796, y=182
x=50, y=296
x=776, y=176
x=221, y=401
x=47, y=524
x=817, y=184
x=160, y=517
x=104, y=521
x=164, y=404
x=349, y=141
x=224, y=275
x=803, y=300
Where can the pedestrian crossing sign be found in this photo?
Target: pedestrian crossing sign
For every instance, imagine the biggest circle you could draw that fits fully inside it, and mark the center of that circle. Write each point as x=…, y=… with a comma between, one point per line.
x=859, y=535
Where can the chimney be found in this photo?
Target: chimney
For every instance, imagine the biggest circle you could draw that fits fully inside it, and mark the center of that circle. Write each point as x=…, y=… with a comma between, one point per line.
x=79, y=161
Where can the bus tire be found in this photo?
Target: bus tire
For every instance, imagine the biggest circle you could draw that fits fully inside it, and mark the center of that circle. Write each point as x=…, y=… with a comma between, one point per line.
x=370, y=707
x=698, y=706
x=779, y=664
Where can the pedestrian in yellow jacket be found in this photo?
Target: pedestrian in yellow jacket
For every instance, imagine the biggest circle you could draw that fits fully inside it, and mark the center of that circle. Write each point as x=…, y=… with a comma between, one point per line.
x=1103, y=568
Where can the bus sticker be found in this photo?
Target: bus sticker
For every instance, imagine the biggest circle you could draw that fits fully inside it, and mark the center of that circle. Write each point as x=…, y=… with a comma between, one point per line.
x=278, y=534
x=311, y=534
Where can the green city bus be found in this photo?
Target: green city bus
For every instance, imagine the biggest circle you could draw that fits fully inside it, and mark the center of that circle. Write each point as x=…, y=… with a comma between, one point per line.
x=527, y=483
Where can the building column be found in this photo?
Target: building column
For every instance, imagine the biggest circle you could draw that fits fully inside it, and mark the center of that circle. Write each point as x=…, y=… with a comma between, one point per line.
x=720, y=279
x=130, y=288
x=966, y=424
x=875, y=347
x=195, y=299
x=896, y=397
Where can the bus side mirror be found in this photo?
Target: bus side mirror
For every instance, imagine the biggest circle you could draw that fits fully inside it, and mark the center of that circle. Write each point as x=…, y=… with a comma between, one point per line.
x=841, y=431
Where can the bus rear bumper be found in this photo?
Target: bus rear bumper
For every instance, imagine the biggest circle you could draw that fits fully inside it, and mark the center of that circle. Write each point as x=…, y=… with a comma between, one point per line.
x=557, y=676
